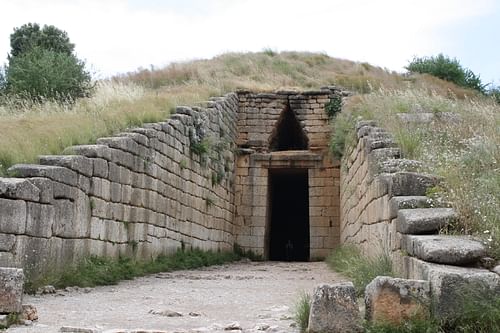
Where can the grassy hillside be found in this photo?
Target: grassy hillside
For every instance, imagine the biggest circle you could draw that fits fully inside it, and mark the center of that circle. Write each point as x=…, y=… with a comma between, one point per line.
x=27, y=131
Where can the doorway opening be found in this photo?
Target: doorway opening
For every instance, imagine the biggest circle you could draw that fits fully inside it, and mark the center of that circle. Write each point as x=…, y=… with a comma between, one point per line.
x=288, y=224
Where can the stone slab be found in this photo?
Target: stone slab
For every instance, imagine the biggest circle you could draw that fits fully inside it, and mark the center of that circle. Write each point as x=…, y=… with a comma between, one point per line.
x=442, y=249
x=408, y=202
x=450, y=283
x=424, y=220
x=59, y=174
x=18, y=188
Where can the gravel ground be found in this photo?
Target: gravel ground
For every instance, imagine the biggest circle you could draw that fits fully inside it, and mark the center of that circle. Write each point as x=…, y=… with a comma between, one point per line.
x=253, y=296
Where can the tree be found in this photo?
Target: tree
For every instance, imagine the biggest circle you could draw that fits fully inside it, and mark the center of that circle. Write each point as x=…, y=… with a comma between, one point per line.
x=42, y=65
x=42, y=73
x=30, y=36
x=447, y=69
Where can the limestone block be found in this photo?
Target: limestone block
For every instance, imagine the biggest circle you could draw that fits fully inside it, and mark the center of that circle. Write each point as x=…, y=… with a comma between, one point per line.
x=395, y=300
x=59, y=174
x=91, y=151
x=452, y=286
x=408, y=202
x=64, y=219
x=18, y=188
x=334, y=309
x=120, y=143
x=7, y=242
x=442, y=249
x=411, y=184
x=12, y=216
x=11, y=290
x=424, y=220
x=46, y=188
x=100, y=188
x=97, y=228
x=80, y=164
x=84, y=183
x=139, y=136
x=63, y=191
x=116, y=192
x=40, y=219
x=100, y=168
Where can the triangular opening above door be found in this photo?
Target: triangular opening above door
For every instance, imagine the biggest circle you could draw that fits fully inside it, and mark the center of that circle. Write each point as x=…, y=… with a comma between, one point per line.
x=288, y=133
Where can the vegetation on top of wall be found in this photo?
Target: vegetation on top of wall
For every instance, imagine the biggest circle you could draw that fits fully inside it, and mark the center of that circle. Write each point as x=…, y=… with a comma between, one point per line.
x=349, y=261
x=334, y=106
x=461, y=145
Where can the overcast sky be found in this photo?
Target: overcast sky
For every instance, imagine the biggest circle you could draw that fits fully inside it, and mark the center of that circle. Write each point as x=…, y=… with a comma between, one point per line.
x=119, y=35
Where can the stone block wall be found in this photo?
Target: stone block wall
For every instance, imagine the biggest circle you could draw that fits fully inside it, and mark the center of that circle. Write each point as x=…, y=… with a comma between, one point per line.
x=257, y=121
x=384, y=209
x=140, y=193
x=366, y=219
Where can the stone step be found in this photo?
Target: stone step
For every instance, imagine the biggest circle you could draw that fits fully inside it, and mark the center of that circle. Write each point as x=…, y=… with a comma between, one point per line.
x=442, y=249
x=408, y=202
x=424, y=220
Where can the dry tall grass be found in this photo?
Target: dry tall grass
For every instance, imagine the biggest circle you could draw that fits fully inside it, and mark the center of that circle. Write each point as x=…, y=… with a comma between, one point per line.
x=462, y=145
x=27, y=131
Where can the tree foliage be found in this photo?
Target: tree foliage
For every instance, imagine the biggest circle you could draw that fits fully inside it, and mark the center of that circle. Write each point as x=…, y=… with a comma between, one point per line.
x=31, y=35
x=447, y=69
x=42, y=65
x=46, y=74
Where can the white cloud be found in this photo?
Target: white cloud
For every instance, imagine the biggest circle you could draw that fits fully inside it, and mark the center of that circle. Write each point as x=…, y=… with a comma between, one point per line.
x=118, y=36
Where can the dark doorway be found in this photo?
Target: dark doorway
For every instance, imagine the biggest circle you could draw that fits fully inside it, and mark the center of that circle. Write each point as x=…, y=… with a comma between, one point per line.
x=289, y=219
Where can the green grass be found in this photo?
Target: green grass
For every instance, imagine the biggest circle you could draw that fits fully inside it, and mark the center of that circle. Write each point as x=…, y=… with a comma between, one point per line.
x=301, y=311
x=95, y=271
x=479, y=312
x=360, y=269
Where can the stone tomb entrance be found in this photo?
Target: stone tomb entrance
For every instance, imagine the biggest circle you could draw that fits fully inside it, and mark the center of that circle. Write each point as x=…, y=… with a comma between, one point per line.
x=286, y=184
x=288, y=219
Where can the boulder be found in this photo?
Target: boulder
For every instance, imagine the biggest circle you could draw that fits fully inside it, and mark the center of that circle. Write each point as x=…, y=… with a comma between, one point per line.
x=394, y=300
x=334, y=309
x=11, y=290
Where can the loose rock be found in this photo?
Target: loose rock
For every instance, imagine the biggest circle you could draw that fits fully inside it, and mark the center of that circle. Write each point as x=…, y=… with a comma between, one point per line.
x=166, y=313
x=71, y=329
x=11, y=289
x=46, y=290
x=29, y=312
x=233, y=327
x=334, y=309
x=395, y=300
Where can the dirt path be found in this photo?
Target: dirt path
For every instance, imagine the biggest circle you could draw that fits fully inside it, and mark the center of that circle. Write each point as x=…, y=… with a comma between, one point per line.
x=256, y=295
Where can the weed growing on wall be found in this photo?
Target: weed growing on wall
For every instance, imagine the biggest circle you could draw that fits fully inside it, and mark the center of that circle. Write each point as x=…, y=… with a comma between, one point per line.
x=334, y=106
